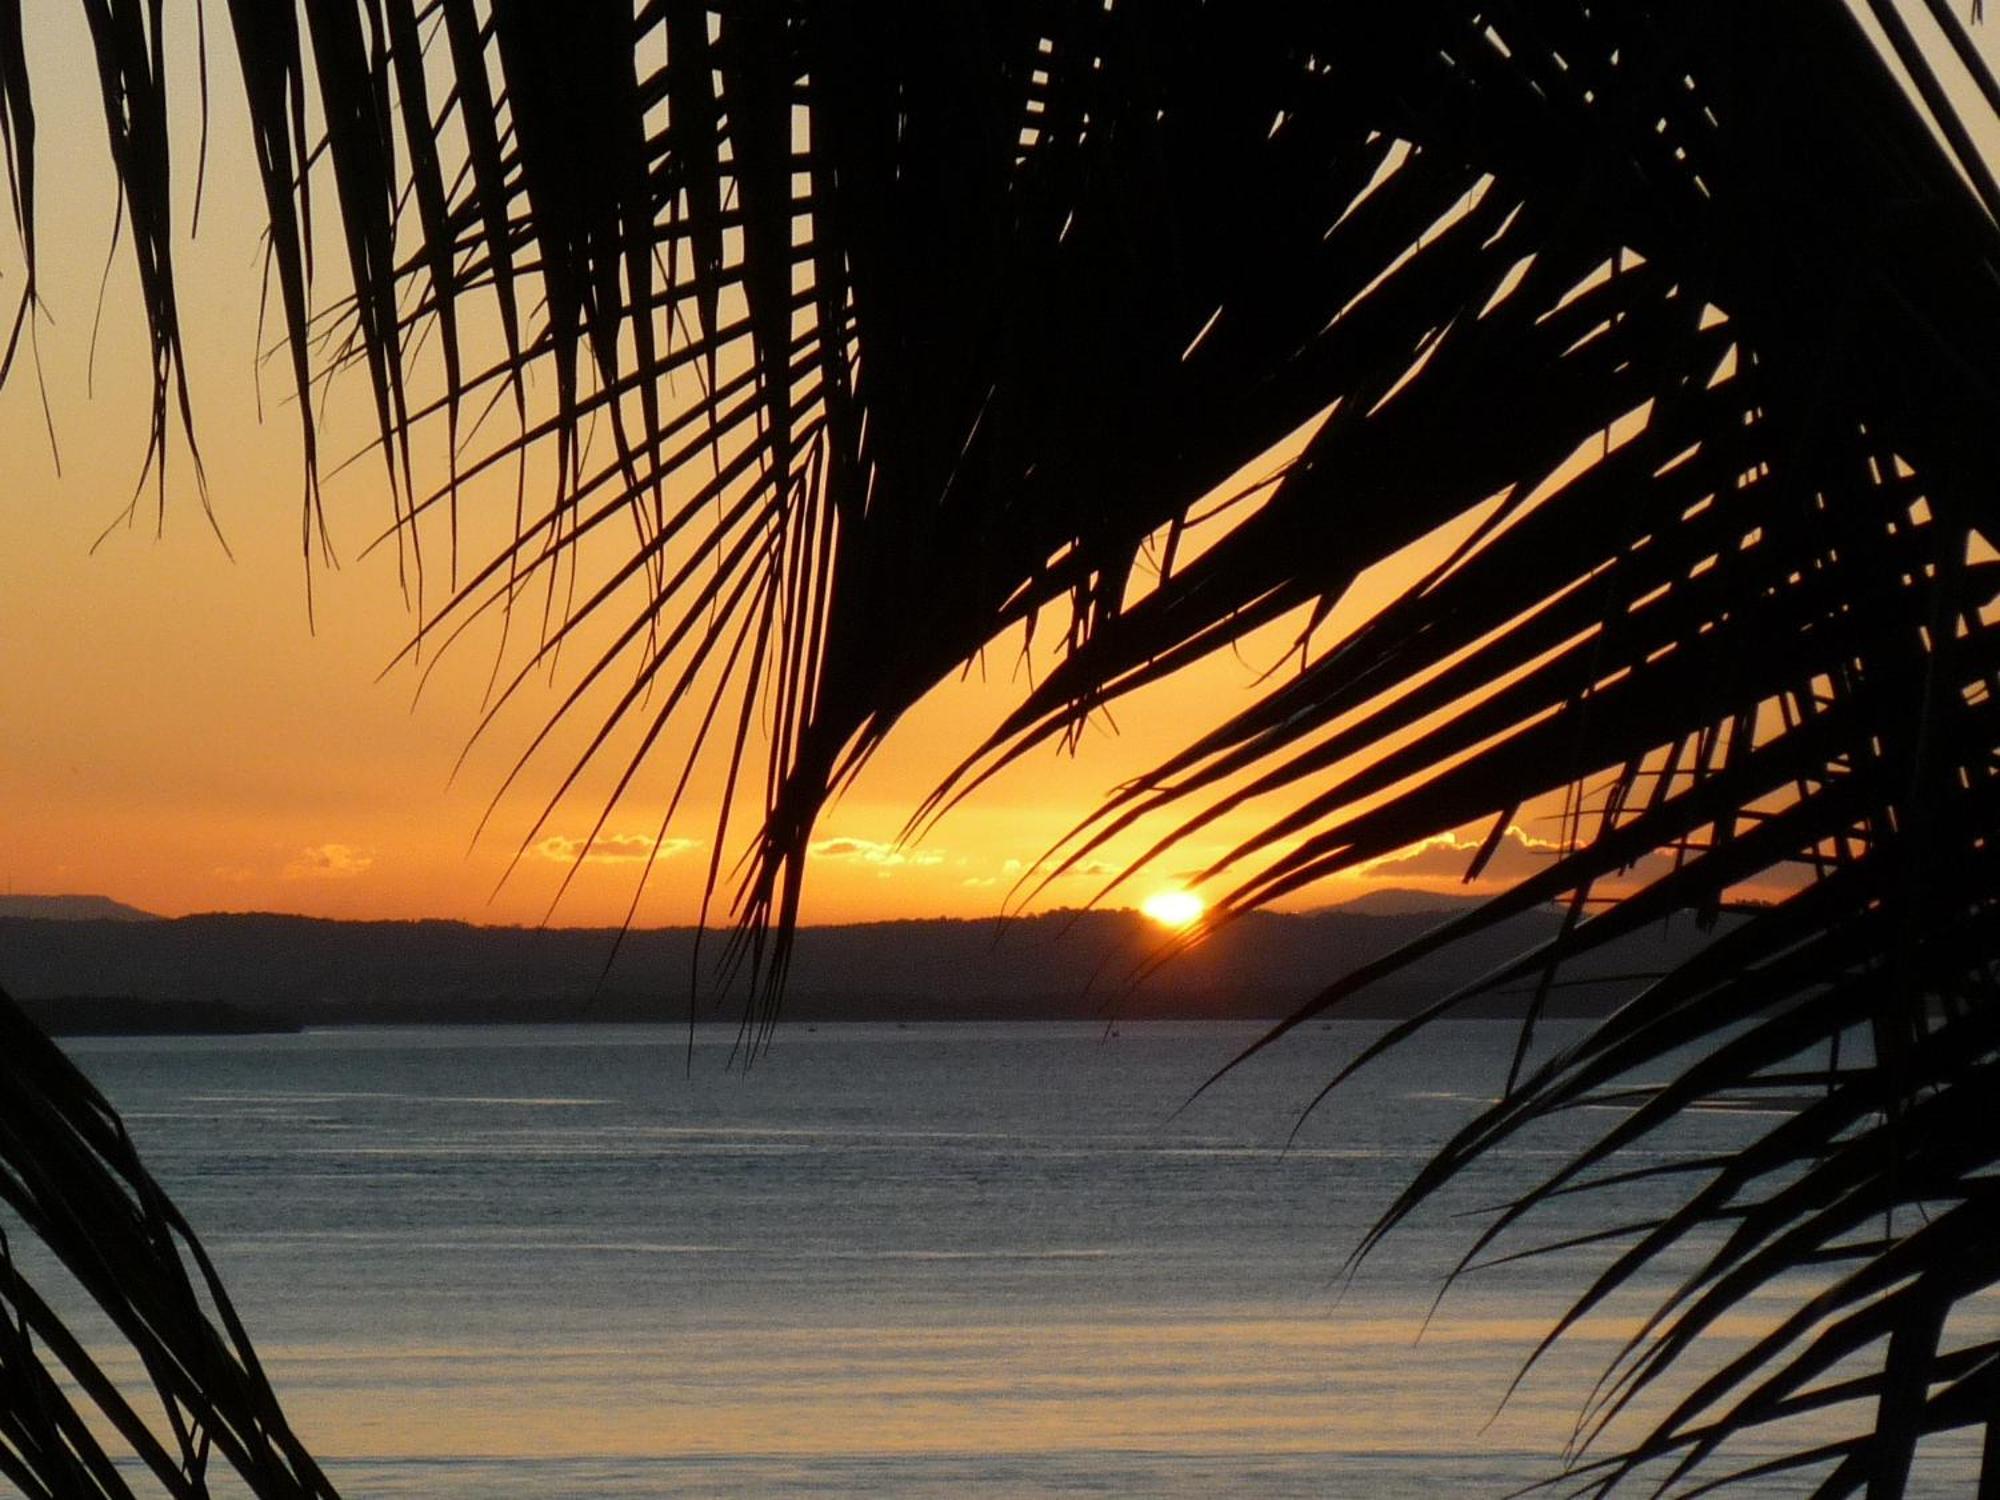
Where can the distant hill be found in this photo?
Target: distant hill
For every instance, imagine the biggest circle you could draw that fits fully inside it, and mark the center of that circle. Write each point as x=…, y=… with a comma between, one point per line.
x=72, y=909
x=1397, y=901
x=121, y=1015
x=1060, y=965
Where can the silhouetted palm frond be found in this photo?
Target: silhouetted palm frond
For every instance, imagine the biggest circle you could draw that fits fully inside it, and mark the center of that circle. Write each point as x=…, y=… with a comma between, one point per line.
x=910, y=324
x=71, y=1176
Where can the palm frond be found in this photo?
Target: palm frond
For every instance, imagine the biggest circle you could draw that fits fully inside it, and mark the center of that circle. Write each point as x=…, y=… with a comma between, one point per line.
x=912, y=326
x=71, y=1177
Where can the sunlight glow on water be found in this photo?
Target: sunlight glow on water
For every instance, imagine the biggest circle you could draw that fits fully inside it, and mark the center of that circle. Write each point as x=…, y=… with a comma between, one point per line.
x=538, y=1261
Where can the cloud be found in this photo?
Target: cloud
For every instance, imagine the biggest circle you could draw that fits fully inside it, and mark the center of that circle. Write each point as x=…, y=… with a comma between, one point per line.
x=872, y=852
x=1449, y=856
x=1090, y=869
x=612, y=848
x=329, y=862
x=1518, y=855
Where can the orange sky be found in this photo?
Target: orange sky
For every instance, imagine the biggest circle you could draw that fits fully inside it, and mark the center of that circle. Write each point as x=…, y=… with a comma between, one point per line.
x=173, y=736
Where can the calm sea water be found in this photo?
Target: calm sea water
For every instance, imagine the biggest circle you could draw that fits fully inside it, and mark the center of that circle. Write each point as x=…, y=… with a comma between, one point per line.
x=922, y=1261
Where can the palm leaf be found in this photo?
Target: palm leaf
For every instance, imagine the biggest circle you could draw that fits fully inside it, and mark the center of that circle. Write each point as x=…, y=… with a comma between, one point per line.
x=71, y=1177
x=1687, y=316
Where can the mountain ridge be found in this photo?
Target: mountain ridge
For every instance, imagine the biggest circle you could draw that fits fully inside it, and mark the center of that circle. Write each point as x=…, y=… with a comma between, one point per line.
x=72, y=908
x=1068, y=964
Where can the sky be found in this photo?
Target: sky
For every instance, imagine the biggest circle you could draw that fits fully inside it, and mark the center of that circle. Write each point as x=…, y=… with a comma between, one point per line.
x=173, y=733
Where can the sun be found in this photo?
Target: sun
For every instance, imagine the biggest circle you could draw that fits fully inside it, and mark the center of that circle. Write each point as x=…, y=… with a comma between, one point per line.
x=1174, y=908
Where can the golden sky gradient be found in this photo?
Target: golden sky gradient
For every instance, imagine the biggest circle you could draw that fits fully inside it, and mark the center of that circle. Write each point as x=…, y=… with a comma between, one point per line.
x=173, y=735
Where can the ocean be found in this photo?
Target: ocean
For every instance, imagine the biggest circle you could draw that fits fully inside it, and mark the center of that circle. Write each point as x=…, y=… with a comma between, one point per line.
x=1021, y=1259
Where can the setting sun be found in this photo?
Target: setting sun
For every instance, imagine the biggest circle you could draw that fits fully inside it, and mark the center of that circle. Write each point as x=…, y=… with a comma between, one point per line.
x=1174, y=908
